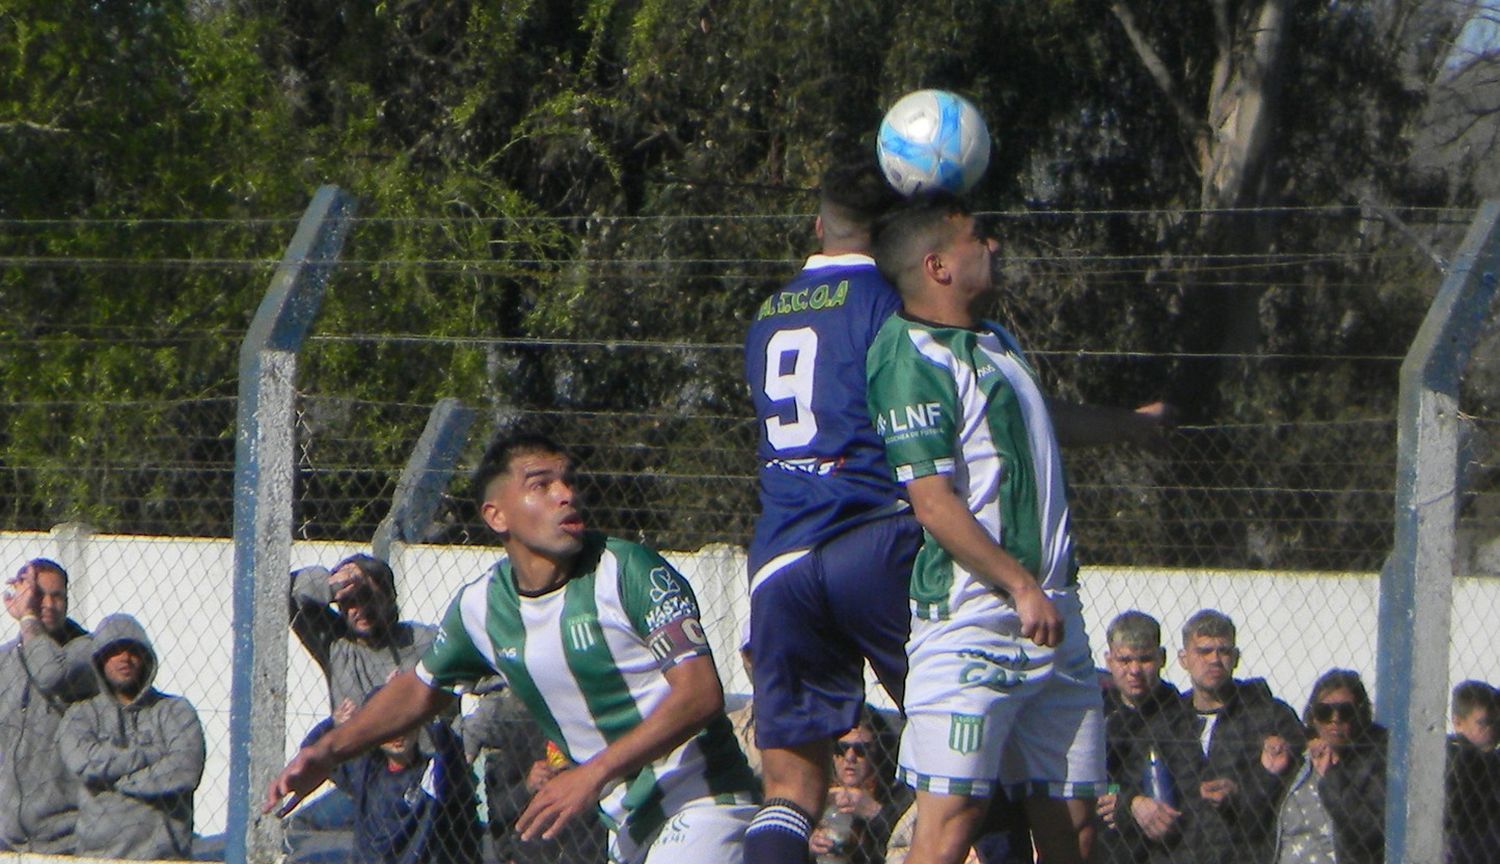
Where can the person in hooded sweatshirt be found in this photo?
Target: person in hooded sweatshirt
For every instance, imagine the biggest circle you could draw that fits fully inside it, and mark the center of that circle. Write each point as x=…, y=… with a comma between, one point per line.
x=137, y=751
x=42, y=671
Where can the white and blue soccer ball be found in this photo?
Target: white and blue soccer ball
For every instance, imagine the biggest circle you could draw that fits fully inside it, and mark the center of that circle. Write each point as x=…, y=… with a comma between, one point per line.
x=933, y=139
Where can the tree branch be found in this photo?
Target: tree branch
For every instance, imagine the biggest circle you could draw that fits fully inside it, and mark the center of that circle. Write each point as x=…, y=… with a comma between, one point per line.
x=11, y=125
x=1158, y=71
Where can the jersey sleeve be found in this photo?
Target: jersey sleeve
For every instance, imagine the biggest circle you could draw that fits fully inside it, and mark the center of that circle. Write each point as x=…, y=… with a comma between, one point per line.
x=914, y=405
x=661, y=607
x=454, y=659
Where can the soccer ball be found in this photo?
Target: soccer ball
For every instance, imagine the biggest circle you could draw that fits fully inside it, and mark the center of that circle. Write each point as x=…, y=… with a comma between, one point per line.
x=933, y=139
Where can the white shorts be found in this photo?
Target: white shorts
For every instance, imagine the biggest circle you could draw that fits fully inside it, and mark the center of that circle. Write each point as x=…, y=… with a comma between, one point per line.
x=702, y=830
x=984, y=704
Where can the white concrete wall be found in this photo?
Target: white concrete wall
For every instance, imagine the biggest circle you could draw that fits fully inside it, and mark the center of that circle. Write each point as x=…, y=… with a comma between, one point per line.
x=1292, y=626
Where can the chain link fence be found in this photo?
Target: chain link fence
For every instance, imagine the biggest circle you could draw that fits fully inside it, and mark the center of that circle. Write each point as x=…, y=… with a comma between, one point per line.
x=1272, y=501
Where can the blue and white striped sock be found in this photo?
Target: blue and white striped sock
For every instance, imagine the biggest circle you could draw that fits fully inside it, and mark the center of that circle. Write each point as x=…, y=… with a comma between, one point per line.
x=778, y=834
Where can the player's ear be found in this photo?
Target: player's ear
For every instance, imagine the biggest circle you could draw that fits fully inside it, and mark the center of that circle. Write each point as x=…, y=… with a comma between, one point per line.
x=934, y=268
x=494, y=517
x=818, y=227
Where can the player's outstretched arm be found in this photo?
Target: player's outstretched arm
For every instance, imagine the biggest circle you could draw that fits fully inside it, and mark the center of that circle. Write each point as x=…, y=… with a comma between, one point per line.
x=696, y=696
x=947, y=518
x=403, y=704
x=1080, y=425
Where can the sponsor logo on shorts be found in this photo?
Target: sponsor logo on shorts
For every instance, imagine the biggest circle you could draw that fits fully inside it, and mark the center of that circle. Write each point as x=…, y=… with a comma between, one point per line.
x=965, y=732
x=994, y=671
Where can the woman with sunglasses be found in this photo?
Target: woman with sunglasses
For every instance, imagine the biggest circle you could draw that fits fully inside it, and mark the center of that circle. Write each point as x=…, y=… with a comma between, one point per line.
x=864, y=803
x=1334, y=810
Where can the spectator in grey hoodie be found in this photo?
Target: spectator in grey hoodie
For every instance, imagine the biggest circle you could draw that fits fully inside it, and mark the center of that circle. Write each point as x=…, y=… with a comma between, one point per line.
x=42, y=671
x=348, y=620
x=137, y=751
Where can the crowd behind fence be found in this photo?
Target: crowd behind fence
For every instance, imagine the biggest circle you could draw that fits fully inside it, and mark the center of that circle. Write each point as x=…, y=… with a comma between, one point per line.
x=1280, y=519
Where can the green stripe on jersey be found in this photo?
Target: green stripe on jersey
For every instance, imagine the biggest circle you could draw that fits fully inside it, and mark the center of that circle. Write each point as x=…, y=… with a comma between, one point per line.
x=964, y=403
x=579, y=659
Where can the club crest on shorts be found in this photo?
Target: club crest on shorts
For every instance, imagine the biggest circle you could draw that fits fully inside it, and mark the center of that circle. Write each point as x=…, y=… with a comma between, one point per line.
x=965, y=732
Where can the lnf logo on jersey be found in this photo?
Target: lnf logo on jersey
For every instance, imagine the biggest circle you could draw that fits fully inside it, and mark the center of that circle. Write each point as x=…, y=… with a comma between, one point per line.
x=965, y=732
x=581, y=630
x=898, y=423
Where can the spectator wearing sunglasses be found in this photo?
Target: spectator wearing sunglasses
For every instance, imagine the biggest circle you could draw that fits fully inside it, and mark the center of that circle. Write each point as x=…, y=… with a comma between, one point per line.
x=1334, y=809
x=349, y=621
x=864, y=796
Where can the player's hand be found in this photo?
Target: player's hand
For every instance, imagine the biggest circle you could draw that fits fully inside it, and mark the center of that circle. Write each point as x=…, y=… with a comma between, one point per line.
x=20, y=594
x=1150, y=423
x=568, y=793
x=819, y=842
x=1105, y=808
x=306, y=772
x=1040, y=621
x=1217, y=791
x=1276, y=754
x=1155, y=818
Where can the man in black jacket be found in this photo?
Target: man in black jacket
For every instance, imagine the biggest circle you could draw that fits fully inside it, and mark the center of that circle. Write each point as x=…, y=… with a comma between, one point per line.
x=1156, y=813
x=1250, y=742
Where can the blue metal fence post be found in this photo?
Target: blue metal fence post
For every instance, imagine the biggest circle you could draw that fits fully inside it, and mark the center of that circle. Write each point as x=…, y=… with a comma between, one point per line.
x=1416, y=585
x=263, y=480
x=425, y=476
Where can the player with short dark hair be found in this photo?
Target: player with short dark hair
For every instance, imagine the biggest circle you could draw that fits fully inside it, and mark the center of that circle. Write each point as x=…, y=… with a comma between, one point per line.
x=832, y=550
x=1001, y=691
x=601, y=639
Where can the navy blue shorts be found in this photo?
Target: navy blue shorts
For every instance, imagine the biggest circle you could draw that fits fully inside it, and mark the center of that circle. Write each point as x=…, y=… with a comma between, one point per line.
x=817, y=619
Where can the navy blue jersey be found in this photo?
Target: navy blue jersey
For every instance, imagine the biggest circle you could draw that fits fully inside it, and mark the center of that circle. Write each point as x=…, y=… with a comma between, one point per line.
x=823, y=467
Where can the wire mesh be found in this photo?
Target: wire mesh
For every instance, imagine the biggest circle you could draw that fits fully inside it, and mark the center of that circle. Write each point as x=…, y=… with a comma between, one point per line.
x=1275, y=507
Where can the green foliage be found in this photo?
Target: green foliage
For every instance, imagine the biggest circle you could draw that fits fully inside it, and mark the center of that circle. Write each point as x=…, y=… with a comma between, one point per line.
x=601, y=171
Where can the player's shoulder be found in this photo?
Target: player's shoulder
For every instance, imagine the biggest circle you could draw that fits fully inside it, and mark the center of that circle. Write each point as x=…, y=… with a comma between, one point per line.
x=895, y=335
x=847, y=284
x=631, y=557
x=1007, y=338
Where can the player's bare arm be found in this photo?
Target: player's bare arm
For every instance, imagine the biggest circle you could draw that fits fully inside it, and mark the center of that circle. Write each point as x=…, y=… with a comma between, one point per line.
x=400, y=706
x=948, y=519
x=695, y=698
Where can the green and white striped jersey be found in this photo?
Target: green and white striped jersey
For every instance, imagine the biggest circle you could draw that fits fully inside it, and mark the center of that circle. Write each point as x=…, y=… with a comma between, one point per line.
x=588, y=659
x=949, y=400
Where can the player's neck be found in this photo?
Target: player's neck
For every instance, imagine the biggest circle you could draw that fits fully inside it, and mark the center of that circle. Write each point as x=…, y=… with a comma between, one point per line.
x=948, y=311
x=847, y=248
x=536, y=573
